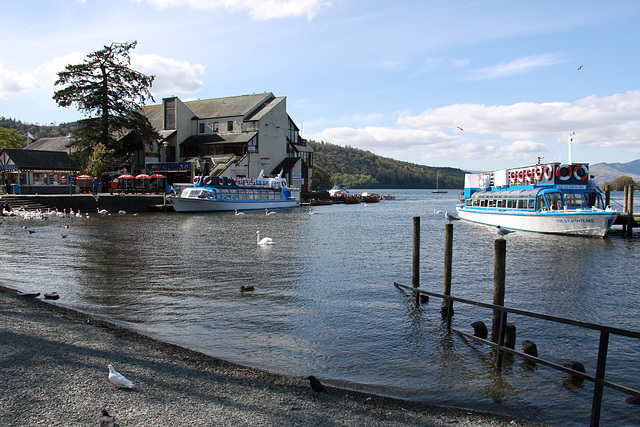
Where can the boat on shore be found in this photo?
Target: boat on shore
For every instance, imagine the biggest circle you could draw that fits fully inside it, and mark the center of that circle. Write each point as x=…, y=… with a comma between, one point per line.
x=545, y=198
x=220, y=194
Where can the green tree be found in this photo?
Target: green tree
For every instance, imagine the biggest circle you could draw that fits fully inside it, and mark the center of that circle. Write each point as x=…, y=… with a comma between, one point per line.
x=618, y=184
x=110, y=94
x=10, y=138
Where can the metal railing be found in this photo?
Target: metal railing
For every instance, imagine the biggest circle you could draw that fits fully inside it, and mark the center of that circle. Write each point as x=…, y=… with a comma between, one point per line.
x=605, y=332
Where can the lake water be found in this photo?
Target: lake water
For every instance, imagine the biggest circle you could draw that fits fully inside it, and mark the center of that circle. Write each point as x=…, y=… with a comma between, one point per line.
x=324, y=301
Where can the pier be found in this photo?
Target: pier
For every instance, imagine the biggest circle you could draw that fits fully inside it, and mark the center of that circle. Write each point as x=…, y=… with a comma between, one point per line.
x=627, y=219
x=89, y=203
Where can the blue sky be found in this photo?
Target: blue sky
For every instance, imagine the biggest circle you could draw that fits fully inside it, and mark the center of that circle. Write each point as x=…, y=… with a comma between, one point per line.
x=468, y=84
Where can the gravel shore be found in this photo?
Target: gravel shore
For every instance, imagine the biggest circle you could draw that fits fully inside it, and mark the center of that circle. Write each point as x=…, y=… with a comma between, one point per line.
x=53, y=367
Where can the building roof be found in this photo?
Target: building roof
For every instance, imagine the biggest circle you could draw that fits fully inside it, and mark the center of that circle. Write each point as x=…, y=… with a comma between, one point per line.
x=56, y=143
x=217, y=138
x=286, y=165
x=41, y=160
x=244, y=105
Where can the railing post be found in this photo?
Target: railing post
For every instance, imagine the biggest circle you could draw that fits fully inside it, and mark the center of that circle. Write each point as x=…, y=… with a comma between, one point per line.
x=447, y=305
x=599, y=379
x=415, y=279
x=499, y=318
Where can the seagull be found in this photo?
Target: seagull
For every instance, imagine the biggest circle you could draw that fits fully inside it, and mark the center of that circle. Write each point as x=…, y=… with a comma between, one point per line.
x=450, y=217
x=460, y=128
x=580, y=68
x=107, y=420
x=504, y=231
x=119, y=379
x=238, y=213
x=265, y=240
x=312, y=212
x=64, y=236
x=316, y=385
x=266, y=212
x=122, y=212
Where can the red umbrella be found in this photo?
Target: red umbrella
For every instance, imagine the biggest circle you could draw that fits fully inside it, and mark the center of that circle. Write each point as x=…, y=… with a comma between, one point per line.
x=158, y=175
x=142, y=176
x=84, y=177
x=126, y=176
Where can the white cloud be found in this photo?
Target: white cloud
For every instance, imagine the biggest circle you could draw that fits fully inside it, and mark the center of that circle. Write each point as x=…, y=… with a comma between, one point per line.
x=172, y=76
x=260, y=10
x=515, y=131
x=515, y=67
x=12, y=82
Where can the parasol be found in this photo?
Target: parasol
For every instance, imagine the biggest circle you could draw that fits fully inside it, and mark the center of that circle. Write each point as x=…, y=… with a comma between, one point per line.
x=84, y=177
x=126, y=176
x=142, y=176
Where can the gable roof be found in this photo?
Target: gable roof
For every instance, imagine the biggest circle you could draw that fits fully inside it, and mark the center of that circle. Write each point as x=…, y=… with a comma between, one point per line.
x=41, y=160
x=244, y=105
x=56, y=143
x=225, y=138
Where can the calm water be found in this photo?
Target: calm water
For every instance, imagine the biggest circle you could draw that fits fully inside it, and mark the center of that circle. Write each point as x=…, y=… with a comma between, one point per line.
x=325, y=303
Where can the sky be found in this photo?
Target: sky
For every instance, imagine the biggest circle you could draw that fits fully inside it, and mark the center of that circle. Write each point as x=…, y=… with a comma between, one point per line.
x=476, y=85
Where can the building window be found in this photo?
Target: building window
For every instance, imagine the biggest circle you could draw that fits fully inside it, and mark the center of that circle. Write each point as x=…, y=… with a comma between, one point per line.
x=201, y=128
x=230, y=126
x=213, y=126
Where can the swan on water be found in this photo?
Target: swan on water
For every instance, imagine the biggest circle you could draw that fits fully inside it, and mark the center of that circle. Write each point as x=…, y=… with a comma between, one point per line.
x=264, y=240
x=238, y=213
x=266, y=212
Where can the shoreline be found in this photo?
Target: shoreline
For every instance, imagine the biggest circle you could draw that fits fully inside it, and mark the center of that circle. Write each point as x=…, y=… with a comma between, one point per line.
x=54, y=360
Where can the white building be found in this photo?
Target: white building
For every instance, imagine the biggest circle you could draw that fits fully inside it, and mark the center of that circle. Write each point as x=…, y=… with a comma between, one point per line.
x=236, y=137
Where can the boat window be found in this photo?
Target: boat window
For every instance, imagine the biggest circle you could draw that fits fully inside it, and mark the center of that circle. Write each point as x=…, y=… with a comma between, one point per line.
x=511, y=203
x=575, y=200
x=531, y=203
x=540, y=204
x=492, y=203
x=502, y=203
x=522, y=203
x=554, y=200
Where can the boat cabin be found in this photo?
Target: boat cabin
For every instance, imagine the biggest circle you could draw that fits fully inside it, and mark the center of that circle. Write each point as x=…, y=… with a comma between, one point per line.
x=536, y=199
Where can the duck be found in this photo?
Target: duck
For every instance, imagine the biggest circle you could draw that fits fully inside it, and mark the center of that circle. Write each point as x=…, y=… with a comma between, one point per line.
x=247, y=288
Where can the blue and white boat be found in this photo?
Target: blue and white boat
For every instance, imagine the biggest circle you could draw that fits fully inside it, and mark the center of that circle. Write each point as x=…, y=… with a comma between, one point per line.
x=218, y=194
x=545, y=198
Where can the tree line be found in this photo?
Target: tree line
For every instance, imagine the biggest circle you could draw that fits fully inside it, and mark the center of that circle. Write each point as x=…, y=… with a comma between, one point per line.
x=355, y=168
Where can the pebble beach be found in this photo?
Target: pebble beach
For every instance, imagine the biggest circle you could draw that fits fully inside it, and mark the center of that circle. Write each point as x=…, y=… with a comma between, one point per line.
x=53, y=367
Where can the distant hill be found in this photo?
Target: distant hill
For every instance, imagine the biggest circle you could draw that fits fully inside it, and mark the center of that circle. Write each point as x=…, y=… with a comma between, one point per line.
x=608, y=172
x=357, y=168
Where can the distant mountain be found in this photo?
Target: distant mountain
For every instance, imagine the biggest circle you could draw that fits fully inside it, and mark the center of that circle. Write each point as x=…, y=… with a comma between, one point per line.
x=608, y=172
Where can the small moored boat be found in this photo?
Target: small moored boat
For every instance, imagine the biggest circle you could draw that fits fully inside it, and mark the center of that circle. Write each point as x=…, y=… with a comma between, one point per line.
x=545, y=198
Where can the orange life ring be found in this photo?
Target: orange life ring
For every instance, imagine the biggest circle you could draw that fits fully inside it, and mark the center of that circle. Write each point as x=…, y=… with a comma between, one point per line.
x=562, y=176
x=196, y=179
x=548, y=172
x=220, y=180
x=539, y=173
x=581, y=172
x=206, y=180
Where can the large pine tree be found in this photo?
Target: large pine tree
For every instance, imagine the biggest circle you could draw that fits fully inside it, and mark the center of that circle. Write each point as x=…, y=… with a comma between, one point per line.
x=109, y=93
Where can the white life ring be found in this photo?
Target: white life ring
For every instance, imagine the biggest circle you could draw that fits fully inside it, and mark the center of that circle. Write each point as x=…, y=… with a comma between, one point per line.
x=206, y=180
x=196, y=179
x=539, y=172
x=581, y=173
x=548, y=172
x=560, y=172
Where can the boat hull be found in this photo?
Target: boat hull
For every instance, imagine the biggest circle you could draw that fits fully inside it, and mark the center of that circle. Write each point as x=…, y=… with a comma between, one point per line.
x=183, y=204
x=589, y=223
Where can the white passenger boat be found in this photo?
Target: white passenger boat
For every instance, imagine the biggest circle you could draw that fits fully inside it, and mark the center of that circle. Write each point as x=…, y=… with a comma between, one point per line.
x=545, y=198
x=213, y=194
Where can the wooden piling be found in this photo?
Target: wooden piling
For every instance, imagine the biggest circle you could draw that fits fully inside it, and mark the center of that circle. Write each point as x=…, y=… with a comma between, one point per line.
x=607, y=195
x=415, y=279
x=499, y=318
x=630, y=210
x=447, y=305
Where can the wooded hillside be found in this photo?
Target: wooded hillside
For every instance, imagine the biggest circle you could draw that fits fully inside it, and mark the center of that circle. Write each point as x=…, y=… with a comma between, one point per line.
x=357, y=168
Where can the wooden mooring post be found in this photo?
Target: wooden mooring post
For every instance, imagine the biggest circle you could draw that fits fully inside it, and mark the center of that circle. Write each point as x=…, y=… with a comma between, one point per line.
x=447, y=305
x=628, y=201
x=499, y=318
x=415, y=278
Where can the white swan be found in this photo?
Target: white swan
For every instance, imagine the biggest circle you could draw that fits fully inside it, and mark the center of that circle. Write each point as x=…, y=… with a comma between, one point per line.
x=264, y=241
x=266, y=212
x=238, y=213
x=102, y=211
